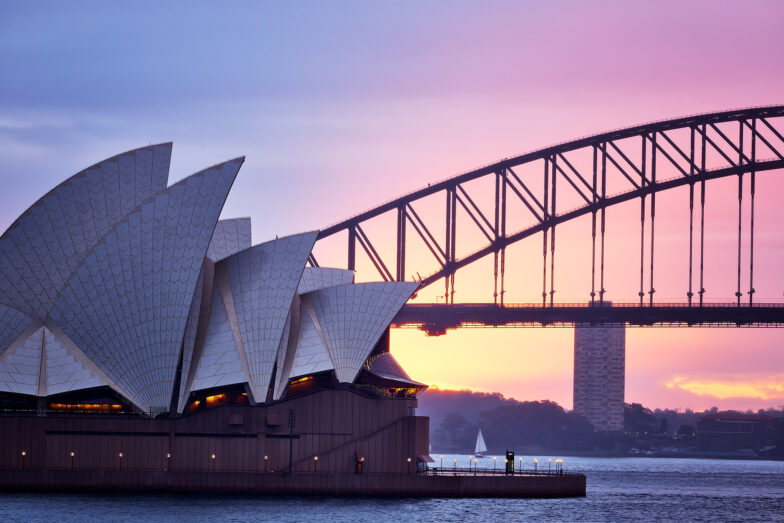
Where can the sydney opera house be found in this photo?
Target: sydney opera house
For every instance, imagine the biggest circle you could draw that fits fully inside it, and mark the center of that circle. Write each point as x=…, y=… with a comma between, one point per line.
x=139, y=332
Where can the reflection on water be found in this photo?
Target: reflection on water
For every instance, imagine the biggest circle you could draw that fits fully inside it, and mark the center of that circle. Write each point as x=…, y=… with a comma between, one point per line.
x=619, y=489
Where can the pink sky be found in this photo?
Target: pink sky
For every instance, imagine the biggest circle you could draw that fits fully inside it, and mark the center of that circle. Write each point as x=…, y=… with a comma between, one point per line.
x=340, y=107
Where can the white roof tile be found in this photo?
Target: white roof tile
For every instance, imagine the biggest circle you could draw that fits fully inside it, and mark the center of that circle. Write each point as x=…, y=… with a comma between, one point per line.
x=169, y=235
x=353, y=318
x=229, y=237
x=39, y=252
x=263, y=282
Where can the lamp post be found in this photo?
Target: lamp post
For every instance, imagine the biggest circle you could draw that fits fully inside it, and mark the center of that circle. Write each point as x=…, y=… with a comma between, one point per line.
x=408, y=460
x=442, y=462
x=315, y=464
x=470, y=458
x=521, y=465
x=266, y=462
x=23, y=459
x=474, y=466
x=168, y=458
x=72, y=459
x=536, y=465
x=454, y=466
x=120, y=456
x=212, y=461
x=495, y=459
x=549, y=463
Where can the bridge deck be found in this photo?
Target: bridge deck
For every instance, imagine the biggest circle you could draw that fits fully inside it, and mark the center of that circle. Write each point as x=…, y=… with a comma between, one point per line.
x=437, y=318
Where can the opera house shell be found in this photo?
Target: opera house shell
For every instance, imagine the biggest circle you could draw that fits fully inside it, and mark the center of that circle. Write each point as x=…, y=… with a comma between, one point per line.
x=123, y=298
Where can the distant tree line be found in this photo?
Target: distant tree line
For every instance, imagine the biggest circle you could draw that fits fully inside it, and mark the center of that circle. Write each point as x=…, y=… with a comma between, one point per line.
x=526, y=426
x=532, y=426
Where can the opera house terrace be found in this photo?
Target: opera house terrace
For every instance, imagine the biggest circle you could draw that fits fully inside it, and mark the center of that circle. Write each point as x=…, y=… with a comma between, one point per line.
x=147, y=345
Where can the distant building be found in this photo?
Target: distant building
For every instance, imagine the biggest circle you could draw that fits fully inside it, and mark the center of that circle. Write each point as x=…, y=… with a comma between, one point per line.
x=731, y=432
x=599, y=373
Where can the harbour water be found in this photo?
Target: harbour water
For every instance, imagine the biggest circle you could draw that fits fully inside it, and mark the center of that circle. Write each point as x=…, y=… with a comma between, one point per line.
x=619, y=489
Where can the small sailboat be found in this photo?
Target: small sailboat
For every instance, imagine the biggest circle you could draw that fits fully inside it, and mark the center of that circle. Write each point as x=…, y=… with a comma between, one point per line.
x=481, y=448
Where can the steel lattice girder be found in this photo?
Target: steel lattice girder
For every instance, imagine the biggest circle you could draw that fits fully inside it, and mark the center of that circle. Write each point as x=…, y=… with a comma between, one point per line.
x=656, y=143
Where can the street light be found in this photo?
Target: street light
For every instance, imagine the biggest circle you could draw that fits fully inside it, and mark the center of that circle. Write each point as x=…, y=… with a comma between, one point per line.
x=474, y=466
x=442, y=462
x=23, y=458
x=266, y=461
x=120, y=455
x=549, y=462
x=72, y=458
x=521, y=465
x=495, y=458
x=536, y=465
x=470, y=458
x=315, y=464
x=454, y=467
x=409, y=465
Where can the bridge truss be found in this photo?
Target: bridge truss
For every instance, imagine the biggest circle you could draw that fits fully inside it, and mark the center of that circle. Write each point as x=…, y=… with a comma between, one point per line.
x=647, y=159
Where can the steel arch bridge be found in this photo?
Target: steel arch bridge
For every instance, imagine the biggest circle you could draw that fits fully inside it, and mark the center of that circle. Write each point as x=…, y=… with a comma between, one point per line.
x=598, y=172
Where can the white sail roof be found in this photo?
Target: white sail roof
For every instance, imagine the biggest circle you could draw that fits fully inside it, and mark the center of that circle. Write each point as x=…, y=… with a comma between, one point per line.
x=314, y=278
x=42, y=365
x=263, y=283
x=49, y=241
x=311, y=355
x=290, y=352
x=112, y=277
x=219, y=359
x=194, y=326
x=20, y=366
x=286, y=351
x=67, y=368
x=13, y=323
x=353, y=317
x=229, y=237
x=132, y=294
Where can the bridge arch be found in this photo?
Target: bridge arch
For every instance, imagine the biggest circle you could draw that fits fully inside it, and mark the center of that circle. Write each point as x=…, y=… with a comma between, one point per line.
x=649, y=159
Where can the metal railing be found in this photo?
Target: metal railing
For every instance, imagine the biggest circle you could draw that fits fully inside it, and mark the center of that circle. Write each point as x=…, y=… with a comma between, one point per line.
x=458, y=471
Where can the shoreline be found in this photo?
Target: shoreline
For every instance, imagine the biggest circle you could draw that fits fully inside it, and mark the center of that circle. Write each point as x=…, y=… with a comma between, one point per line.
x=572, y=454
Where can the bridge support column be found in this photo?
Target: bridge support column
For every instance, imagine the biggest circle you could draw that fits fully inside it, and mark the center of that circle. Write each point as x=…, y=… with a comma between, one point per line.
x=599, y=374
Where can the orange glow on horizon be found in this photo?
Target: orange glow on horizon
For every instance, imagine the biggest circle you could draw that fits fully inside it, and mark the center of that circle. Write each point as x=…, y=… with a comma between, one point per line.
x=767, y=389
x=678, y=368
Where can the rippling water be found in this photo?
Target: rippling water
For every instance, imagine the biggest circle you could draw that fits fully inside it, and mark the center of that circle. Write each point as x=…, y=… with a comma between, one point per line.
x=619, y=489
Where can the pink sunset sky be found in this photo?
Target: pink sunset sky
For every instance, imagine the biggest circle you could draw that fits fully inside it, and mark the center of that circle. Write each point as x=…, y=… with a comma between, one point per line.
x=341, y=106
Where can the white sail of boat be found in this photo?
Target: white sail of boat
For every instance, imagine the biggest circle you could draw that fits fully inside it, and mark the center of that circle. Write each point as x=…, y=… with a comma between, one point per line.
x=481, y=448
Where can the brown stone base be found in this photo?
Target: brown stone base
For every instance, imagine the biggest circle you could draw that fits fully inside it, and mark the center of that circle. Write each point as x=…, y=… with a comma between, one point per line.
x=390, y=485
